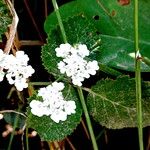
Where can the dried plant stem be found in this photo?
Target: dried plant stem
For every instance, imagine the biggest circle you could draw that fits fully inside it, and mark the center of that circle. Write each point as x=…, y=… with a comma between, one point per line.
x=13, y=27
x=70, y=144
x=33, y=20
x=56, y=144
x=138, y=78
x=46, y=10
x=13, y=111
x=85, y=129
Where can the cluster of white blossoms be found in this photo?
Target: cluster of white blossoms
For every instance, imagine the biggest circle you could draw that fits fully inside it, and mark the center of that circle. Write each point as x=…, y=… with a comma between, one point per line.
x=74, y=63
x=53, y=103
x=16, y=69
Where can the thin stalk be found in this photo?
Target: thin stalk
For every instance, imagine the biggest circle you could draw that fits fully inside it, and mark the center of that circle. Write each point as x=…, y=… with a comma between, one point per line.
x=146, y=61
x=59, y=20
x=27, y=140
x=12, y=134
x=100, y=134
x=138, y=78
x=95, y=147
x=39, y=83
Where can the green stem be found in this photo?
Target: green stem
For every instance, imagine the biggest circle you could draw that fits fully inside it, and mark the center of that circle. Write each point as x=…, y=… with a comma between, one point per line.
x=12, y=134
x=146, y=61
x=39, y=83
x=59, y=20
x=138, y=78
x=95, y=147
x=78, y=88
x=27, y=140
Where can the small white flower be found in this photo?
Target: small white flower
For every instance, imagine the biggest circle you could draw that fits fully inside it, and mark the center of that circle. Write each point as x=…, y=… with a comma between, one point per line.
x=58, y=86
x=70, y=107
x=2, y=57
x=36, y=108
x=2, y=74
x=21, y=58
x=10, y=77
x=83, y=51
x=20, y=83
x=61, y=67
x=92, y=66
x=63, y=50
x=58, y=116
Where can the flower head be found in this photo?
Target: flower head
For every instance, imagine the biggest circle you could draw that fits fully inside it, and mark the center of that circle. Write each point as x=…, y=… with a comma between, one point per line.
x=17, y=69
x=74, y=63
x=53, y=103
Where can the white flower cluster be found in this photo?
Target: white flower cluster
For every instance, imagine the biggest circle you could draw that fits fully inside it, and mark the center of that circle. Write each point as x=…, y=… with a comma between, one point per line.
x=16, y=69
x=53, y=104
x=74, y=64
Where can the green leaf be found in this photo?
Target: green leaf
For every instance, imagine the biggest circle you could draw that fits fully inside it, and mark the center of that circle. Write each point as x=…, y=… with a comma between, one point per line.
x=112, y=103
x=51, y=20
x=5, y=18
x=79, y=30
x=115, y=23
x=50, y=130
x=15, y=118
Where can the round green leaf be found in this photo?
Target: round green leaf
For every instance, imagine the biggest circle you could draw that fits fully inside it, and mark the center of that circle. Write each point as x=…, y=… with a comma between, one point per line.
x=78, y=30
x=112, y=103
x=49, y=130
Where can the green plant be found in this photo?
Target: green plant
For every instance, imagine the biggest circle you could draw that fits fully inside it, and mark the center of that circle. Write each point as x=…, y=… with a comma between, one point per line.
x=110, y=32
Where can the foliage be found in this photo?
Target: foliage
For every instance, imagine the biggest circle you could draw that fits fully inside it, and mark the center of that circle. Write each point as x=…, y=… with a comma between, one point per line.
x=112, y=103
x=115, y=24
x=79, y=30
x=12, y=117
x=50, y=130
x=107, y=29
x=5, y=18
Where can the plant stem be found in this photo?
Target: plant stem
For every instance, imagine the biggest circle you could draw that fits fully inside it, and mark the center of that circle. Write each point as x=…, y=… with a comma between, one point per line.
x=27, y=140
x=12, y=134
x=78, y=88
x=138, y=78
x=146, y=61
x=59, y=20
x=39, y=83
x=95, y=147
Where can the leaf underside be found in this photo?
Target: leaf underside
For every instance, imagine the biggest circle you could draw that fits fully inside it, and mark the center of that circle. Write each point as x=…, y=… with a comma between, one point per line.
x=112, y=103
